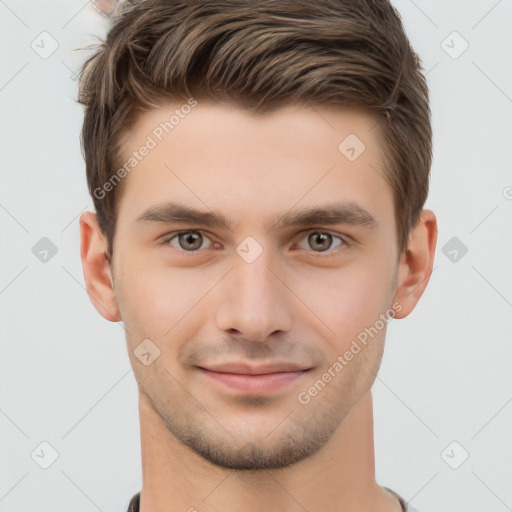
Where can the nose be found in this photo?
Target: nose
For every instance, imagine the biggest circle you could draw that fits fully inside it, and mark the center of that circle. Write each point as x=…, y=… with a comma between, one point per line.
x=254, y=300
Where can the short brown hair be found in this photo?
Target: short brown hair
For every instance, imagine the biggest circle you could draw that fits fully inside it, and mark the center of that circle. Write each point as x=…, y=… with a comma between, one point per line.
x=260, y=55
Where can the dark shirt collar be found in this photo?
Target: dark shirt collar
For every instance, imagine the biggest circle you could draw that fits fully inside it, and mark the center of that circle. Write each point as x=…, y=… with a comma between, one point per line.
x=134, y=503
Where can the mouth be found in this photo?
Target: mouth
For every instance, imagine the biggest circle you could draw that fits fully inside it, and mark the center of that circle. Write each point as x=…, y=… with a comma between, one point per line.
x=255, y=380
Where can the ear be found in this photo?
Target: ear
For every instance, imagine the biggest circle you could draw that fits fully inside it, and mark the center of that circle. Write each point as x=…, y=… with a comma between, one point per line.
x=416, y=262
x=96, y=268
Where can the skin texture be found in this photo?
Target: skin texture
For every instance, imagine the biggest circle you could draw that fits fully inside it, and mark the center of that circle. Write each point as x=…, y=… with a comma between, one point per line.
x=303, y=299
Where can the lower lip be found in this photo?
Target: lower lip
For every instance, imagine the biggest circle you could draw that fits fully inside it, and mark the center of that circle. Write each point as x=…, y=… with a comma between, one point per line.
x=255, y=383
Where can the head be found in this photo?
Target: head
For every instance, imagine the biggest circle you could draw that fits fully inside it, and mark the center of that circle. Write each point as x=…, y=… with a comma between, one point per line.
x=267, y=117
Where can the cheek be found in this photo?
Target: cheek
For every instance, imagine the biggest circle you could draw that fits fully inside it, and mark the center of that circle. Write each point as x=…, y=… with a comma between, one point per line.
x=153, y=301
x=348, y=301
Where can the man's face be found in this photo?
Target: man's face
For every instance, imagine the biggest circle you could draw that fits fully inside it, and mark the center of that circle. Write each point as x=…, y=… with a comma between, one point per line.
x=263, y=290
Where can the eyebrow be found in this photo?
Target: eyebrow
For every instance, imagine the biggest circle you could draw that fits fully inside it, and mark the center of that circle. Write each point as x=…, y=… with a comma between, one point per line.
x=329, y=214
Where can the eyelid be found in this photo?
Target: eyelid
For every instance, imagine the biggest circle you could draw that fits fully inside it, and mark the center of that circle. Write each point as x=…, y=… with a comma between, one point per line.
x=343, y=237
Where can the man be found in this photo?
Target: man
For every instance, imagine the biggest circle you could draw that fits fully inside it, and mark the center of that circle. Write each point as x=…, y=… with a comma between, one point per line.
x=259, y=171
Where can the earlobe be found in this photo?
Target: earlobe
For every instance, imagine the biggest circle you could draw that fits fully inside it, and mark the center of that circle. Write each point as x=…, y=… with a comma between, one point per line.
x=96, y=268
x=416, y=262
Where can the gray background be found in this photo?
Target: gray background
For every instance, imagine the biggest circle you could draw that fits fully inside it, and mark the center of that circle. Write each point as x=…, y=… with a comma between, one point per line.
x=444, y=389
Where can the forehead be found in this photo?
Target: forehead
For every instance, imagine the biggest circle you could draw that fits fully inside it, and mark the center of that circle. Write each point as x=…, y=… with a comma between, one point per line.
x=227, y=158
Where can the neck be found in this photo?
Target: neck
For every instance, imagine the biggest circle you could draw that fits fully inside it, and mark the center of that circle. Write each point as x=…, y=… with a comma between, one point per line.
x=339, y=477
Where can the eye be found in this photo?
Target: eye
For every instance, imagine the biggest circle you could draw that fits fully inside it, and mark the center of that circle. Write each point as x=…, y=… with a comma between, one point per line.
x=190, y=242
x=186, y=241
x=323, y=241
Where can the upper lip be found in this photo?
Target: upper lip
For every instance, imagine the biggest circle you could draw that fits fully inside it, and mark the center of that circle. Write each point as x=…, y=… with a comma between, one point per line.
x=248, y=369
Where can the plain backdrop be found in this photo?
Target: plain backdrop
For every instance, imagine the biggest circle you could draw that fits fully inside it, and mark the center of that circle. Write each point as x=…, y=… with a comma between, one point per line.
x=443, y=397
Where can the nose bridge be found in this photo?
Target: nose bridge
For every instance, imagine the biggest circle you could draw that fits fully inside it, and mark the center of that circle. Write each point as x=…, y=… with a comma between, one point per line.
x=253, y=300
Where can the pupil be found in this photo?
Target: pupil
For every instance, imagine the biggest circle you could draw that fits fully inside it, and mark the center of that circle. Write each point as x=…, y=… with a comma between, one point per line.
x=318, y=236
x=189, y=238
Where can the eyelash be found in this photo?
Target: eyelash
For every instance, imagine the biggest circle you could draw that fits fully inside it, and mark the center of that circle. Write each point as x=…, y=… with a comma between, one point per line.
x=345, y=245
